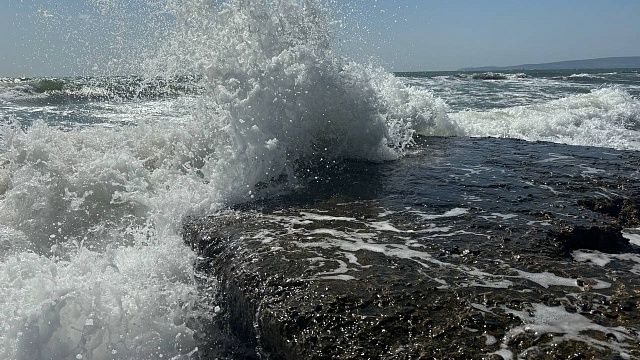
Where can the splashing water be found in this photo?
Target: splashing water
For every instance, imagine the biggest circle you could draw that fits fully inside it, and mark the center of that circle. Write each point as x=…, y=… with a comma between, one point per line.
x=92, y=262
x=281, y=95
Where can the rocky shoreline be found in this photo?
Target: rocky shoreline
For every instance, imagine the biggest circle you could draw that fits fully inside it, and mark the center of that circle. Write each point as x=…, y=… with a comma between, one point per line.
x=469, y=248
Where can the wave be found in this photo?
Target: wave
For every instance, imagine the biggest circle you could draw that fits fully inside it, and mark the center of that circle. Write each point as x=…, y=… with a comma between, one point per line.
x=61, y=91
x=607, y=117
x=493, y=76
x=92, y=262
x=585, y=77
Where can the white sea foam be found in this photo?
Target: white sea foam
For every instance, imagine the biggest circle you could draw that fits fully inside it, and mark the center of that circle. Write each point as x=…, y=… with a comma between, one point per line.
x=547, y=279
x=455, y=212
x=584, y=76
x=542, y=319
x=607, y=117
x=595, y=257
x=602, y=260
x=92, y=218
x=348, y=241
x=634, y=238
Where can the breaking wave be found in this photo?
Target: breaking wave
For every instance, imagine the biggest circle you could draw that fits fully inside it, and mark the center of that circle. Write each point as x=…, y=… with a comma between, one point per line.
x=497, y=76
x=607, y=117
x=61, y=91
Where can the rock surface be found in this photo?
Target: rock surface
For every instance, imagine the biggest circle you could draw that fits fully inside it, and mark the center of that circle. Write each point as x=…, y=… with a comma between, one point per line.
x=470, y=248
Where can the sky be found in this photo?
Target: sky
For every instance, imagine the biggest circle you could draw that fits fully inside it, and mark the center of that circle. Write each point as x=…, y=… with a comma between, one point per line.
x=66, y=37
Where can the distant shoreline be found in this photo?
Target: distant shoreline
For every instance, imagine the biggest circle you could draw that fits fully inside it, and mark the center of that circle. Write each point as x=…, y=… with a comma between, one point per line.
x=623, y=62
x=611, y=63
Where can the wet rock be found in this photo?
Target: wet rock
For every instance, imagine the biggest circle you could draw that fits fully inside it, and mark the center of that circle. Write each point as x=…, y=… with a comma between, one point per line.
x=625, y=210
x=448, y=255
x=630, y=213
x=608, y=206
x=607, y=239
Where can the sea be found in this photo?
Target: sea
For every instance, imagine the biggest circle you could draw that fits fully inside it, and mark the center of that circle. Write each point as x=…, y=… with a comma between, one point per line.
x=98, y=174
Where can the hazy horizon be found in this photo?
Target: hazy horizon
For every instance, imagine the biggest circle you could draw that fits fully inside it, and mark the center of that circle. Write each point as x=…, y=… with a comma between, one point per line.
x=42, y=38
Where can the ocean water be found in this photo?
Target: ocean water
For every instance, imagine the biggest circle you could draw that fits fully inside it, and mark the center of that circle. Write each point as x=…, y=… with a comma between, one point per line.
x=97, y=174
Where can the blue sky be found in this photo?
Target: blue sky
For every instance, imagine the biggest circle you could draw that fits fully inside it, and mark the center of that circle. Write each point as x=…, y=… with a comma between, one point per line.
x=451, y=34
x=401, y=35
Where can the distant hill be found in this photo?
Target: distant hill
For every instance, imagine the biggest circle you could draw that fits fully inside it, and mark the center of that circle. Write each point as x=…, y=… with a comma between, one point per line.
x=601, y=63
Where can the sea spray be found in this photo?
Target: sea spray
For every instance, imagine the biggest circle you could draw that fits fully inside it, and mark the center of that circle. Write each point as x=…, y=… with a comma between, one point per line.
x=94, y=253
x=93, y=263
x=278, y=95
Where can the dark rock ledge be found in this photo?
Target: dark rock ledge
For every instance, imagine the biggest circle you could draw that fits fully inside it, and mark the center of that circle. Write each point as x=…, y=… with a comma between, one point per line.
x=332, y=273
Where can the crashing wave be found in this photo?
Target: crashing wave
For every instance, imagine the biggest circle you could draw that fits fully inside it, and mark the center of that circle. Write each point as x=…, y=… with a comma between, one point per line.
x=278, y=95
